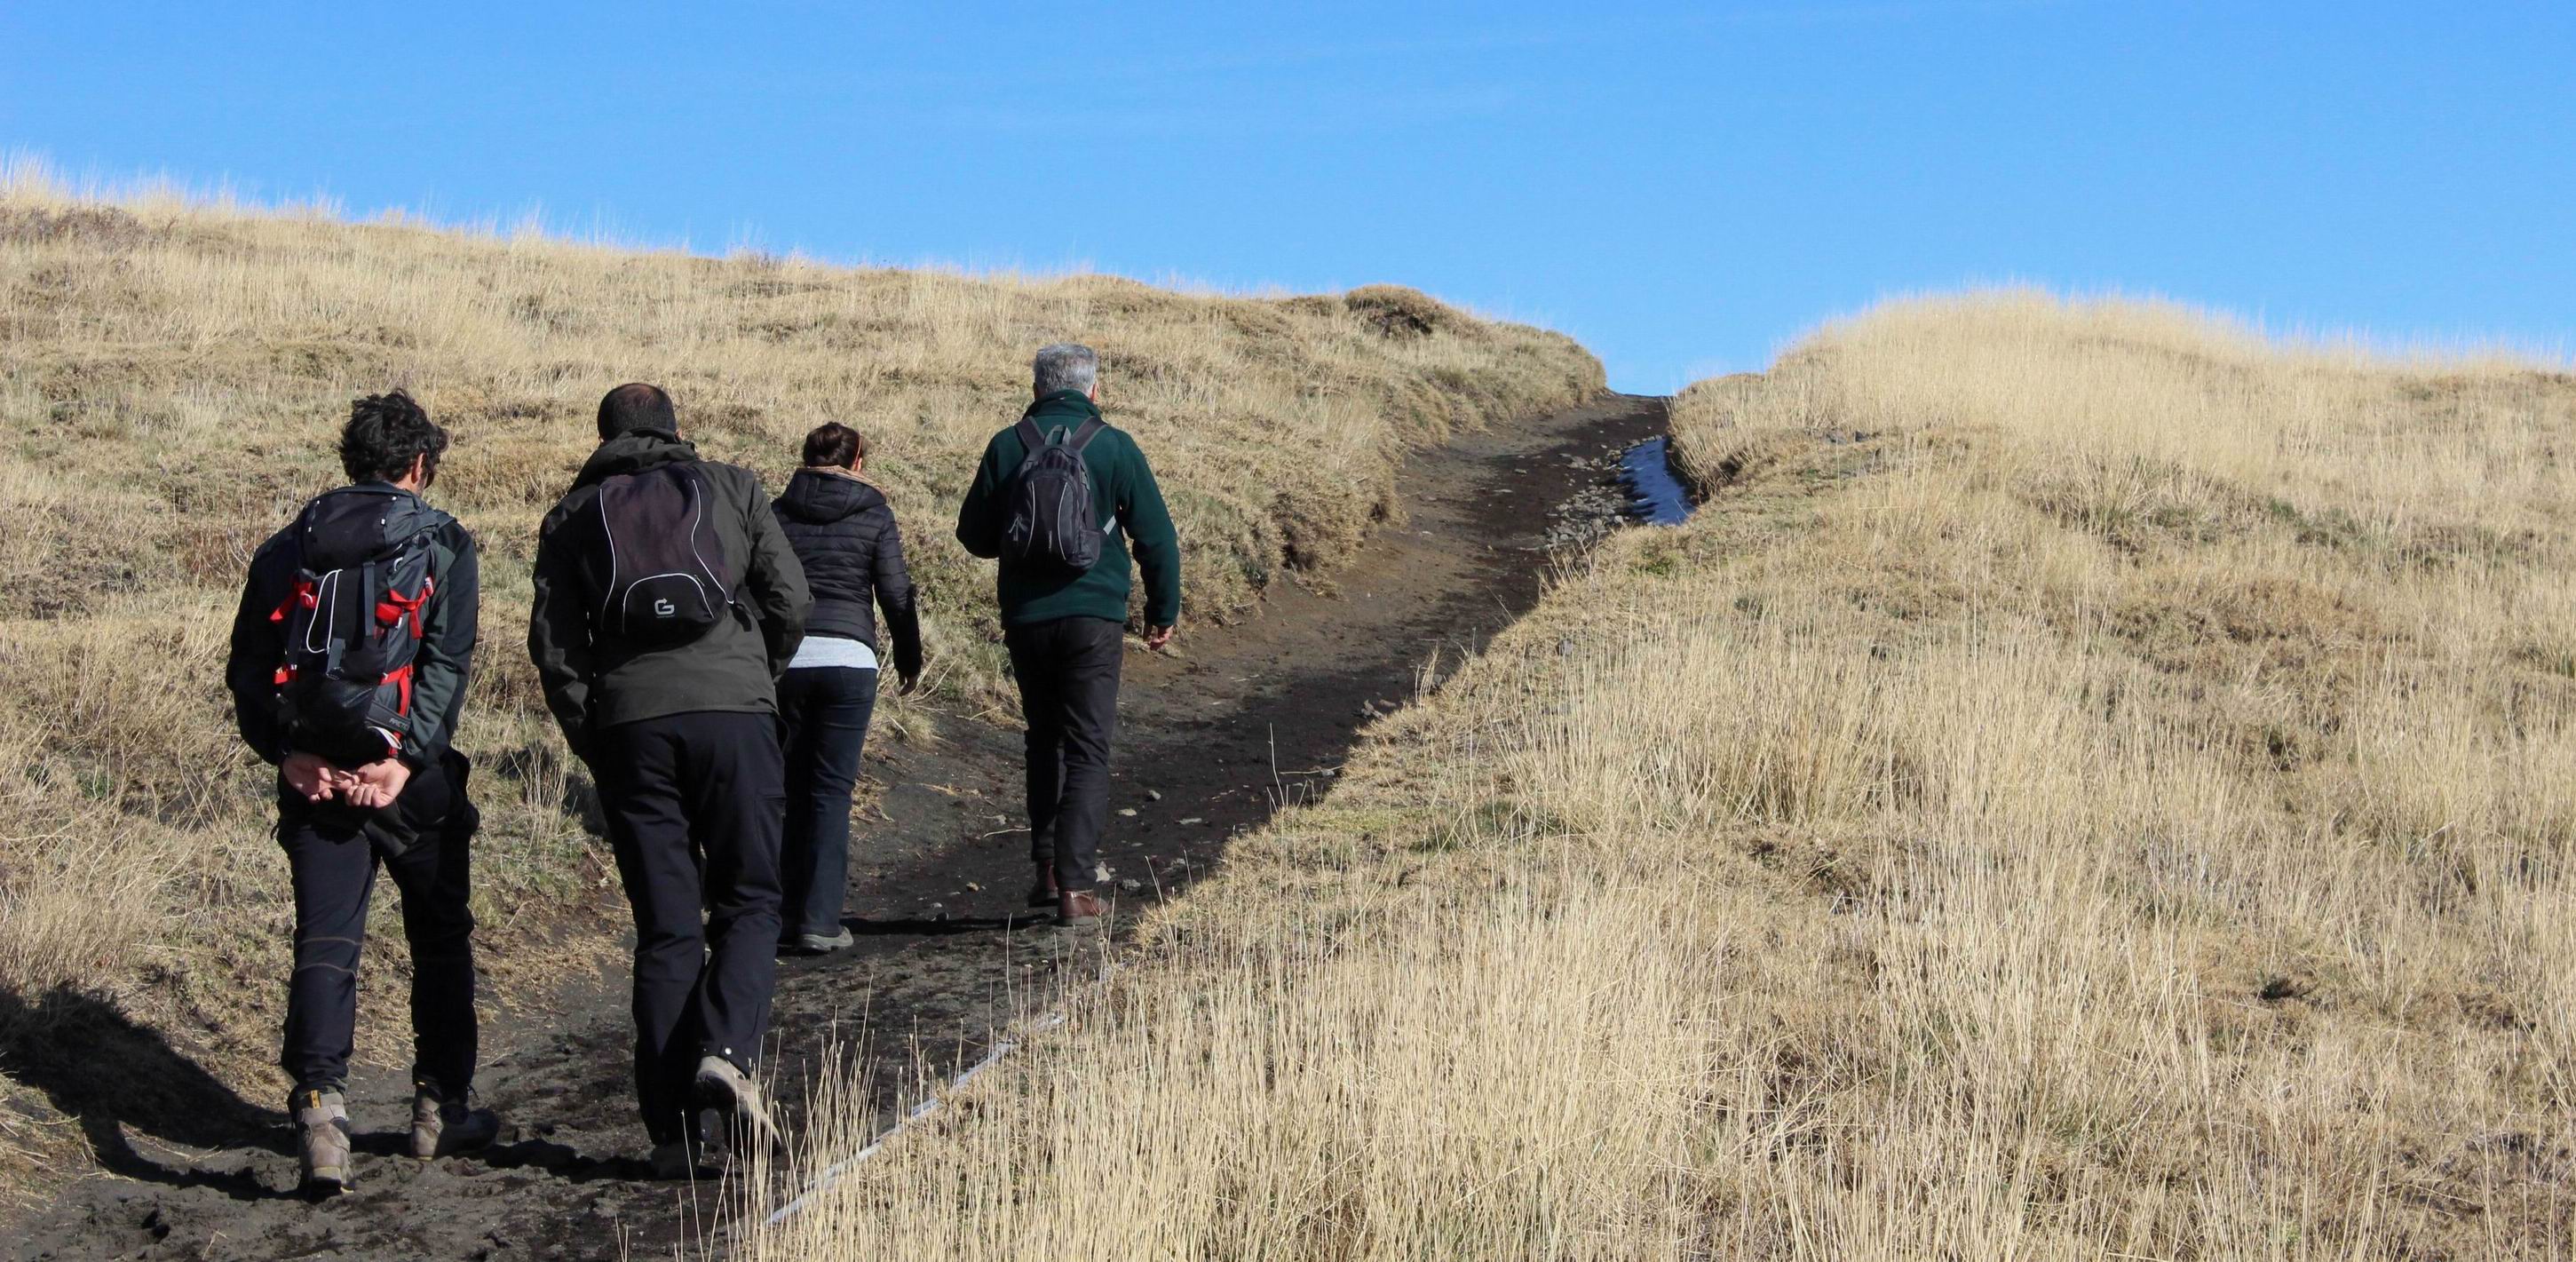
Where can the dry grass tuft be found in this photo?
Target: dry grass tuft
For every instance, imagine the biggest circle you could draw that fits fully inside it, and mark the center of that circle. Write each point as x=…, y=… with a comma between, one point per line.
x=1396, y=311
x=172, y=377
x=2092, y=782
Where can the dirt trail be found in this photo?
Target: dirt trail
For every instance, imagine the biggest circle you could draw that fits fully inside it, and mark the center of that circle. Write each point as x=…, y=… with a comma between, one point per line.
x=1209, y=740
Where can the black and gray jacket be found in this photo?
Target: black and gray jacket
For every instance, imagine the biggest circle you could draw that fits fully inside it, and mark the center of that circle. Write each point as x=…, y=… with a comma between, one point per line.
x=844, y=532
x=439, y=668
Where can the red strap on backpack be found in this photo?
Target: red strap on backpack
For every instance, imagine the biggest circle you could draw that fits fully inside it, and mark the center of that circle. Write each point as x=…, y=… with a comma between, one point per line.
x=395, y=607
x=301, y=594
x=400, y=678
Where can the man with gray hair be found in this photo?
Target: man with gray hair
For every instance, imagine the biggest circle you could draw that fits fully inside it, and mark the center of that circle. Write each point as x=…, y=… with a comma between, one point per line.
x=1060, y=499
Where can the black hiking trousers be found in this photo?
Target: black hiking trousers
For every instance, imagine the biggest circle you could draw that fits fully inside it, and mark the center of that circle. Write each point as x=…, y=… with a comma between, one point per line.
x=694, y=804
x=1067, y=670
x=425, y=839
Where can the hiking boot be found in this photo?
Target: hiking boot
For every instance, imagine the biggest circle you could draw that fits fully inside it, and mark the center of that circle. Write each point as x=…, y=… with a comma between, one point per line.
x=1043, y=893
x=682, y=1159
x=1079, y=907
x=441, y=1127
x=724, y=1087
x=322, y=1130
x=817, y=943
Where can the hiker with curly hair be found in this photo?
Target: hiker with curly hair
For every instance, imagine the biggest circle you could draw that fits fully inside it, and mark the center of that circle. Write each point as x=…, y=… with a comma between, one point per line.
x=349, y=658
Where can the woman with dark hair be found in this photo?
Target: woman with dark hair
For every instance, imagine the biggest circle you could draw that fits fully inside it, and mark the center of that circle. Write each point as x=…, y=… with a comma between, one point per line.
x=843, y=531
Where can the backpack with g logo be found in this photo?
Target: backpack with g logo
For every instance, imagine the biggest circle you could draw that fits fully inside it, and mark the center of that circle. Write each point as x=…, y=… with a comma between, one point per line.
x=658, y=567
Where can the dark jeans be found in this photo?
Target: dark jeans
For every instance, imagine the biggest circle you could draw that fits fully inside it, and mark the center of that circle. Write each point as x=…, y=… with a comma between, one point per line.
x=693, y=806
x=1068, y=675
x=823, y=712
x=333, y=854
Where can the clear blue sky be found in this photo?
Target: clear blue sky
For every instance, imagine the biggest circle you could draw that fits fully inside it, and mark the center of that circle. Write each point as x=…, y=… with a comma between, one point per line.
x=1682, y=187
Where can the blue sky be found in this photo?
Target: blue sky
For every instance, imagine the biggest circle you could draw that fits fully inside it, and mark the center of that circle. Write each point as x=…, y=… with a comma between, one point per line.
x=1682, y=187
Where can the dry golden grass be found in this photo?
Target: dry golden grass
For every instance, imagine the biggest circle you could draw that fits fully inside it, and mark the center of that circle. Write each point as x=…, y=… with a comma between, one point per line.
x=172, y=378
x=2092, y=782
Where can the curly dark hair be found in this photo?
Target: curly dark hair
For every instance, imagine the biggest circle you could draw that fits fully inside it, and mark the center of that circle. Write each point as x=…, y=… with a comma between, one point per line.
x=833, y=445
x=386, y=432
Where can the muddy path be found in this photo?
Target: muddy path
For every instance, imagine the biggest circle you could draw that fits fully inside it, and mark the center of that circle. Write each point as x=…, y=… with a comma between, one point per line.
x=1211, y=738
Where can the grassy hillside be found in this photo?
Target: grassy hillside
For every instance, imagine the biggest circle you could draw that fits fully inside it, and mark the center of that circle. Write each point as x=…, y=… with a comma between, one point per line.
x=172, y=378
x=2092, y=782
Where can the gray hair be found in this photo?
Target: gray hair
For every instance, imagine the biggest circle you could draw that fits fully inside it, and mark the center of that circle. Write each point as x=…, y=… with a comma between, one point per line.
x=1067, y=366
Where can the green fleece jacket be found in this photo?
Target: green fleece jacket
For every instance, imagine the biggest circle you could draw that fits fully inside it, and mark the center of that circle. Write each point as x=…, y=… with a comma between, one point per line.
x=1122, y=492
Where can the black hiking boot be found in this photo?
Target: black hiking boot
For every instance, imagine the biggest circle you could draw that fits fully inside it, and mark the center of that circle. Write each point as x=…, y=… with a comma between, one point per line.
x=683, y=1159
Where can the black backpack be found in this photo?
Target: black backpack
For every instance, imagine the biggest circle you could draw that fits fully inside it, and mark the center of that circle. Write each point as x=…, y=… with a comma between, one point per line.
x=354, y=620
x=1052, y=528
x=658, y=566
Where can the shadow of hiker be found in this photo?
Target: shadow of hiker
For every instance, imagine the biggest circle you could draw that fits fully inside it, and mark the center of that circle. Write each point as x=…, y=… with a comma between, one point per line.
x=108, y=1073
x=917, y=926
x=565, y=1162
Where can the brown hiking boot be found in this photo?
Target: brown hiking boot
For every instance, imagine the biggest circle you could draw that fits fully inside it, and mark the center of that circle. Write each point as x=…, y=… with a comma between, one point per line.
x=1079, y=907
x=441, y=1127
x=1043, y=893
x=724, y=1087
x=322, y=1139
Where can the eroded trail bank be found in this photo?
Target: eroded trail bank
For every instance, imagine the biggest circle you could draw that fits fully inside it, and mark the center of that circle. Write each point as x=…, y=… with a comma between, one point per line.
x=1212, y=738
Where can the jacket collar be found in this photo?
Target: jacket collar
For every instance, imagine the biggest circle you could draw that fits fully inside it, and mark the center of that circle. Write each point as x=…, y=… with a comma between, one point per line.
x=1071, y=404
x=633, y=452
x=816, y=496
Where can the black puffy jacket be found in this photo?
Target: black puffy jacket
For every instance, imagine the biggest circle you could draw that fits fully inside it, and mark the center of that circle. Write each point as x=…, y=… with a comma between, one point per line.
x=843, y=531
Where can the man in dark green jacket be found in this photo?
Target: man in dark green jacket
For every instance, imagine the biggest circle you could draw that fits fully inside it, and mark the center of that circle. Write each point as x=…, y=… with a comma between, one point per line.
x=683, y=740
x=1064, y=631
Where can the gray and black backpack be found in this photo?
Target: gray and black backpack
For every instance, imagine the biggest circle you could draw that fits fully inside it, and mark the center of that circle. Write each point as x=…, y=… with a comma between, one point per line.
x=353, y=621
x=657, y=568
x=1052, y=526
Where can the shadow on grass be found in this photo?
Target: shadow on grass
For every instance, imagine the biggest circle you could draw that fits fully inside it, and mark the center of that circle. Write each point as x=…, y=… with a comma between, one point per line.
x=111, y=1076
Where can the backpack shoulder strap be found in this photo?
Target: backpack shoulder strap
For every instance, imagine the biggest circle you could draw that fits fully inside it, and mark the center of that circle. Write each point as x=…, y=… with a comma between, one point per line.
x=1090, y=429
x=1030, y=436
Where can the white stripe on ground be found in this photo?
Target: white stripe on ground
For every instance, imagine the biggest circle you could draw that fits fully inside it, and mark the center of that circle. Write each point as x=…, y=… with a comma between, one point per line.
x=834, y=1172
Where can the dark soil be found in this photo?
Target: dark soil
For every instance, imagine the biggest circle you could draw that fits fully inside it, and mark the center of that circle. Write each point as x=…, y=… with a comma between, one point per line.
x=1212, y=737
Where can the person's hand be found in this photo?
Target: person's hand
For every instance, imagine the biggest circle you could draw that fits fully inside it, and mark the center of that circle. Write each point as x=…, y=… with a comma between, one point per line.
x=311, y=778
x=1157, y=637
x=376, y=785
